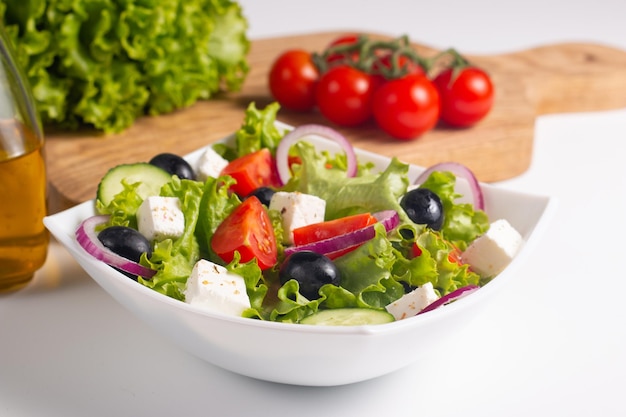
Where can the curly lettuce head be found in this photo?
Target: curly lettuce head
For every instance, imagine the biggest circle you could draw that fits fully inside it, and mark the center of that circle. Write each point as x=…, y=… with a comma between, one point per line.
x=104, y=63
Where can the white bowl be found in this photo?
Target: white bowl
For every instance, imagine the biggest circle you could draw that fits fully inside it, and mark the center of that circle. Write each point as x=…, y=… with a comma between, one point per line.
x=308, y=355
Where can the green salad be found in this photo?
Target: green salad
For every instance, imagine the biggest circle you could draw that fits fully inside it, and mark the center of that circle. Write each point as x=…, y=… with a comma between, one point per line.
x=378, y=271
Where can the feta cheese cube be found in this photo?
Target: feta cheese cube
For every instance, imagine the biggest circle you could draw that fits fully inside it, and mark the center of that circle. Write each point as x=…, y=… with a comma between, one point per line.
x=160, y=218
x=212, y=287
x=490, y=253
x=297, y=210
x=412, y=303
x=210, y=164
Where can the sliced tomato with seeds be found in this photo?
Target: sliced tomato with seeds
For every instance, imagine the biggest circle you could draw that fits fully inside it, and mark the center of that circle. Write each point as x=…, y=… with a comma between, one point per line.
x=252, y=171
x=331, y=228
x=247, y=230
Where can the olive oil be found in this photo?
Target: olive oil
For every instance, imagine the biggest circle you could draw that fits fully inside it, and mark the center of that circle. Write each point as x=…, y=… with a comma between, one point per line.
x=23, y=236
x=23, y=186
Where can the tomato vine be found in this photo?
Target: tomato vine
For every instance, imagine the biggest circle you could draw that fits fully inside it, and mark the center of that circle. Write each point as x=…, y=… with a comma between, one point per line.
x=357, y=78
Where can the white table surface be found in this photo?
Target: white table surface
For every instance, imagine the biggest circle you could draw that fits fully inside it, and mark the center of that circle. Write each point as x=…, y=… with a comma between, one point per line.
x=553, y=344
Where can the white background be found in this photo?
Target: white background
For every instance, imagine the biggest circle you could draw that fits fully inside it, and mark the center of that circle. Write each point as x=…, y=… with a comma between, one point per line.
x=554, y=344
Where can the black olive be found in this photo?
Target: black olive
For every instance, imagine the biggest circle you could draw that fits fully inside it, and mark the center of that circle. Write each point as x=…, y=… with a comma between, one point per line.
x=423, y=207
x=264, y=194
x=407, y=287
x=312, y=270
x=175, y=165
x=126, y=242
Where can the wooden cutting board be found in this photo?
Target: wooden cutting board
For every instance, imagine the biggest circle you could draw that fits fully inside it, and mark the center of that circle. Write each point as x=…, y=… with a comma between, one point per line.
x=548, y=79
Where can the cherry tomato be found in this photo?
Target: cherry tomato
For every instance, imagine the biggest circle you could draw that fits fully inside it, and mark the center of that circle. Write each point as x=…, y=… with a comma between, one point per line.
x=383, y=69
x=339, y=57
x=405, y=65
x=466, y=98
x=344, y=95
x=331, y=228
x=406, y=107
x=252, y=171
x=247, y=230
x=292, y=80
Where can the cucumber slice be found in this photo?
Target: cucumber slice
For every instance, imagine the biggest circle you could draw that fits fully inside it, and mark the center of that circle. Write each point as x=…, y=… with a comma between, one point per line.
x=152, y=178
x=348, y=317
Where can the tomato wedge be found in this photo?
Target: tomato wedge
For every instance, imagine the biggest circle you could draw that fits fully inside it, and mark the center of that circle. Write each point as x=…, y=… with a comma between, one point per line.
x=331, y=228
x=247, y=230
x=252, y=171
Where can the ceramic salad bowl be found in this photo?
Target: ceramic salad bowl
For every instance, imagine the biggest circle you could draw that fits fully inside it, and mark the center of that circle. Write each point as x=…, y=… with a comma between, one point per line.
x=306, y=354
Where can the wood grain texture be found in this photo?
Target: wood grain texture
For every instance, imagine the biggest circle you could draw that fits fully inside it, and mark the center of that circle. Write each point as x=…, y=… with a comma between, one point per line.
x=548, y=79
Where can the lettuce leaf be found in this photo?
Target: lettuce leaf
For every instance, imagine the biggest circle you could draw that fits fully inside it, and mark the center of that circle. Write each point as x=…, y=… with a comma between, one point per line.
x=104, y=63
x=228, y=43
x=123, y=207
x=433, y=265
x=174, y=259
x=257, y=131
x=366, y=272
x=255, y=285
x=462, y=223
x=215, y=205
x=375, y=274
x=349, y=195
x=292, y=306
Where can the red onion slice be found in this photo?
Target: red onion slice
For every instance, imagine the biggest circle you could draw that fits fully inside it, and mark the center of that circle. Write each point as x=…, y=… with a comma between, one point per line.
x=388, y=218
x=450, y=297
x=87, y=238
x=297, y=134
x=460, y=171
